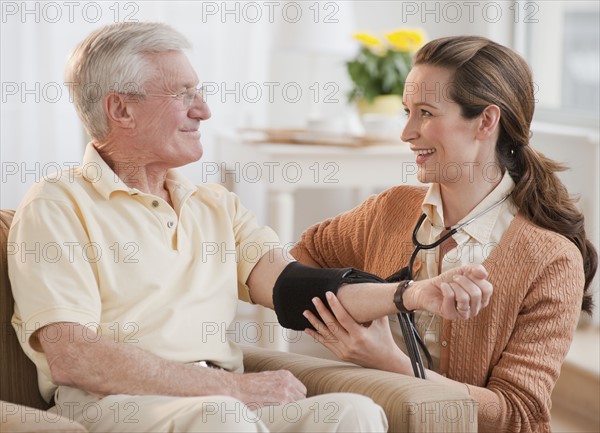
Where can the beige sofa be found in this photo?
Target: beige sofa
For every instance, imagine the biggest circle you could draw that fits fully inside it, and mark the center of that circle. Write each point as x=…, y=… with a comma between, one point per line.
x=411, y=405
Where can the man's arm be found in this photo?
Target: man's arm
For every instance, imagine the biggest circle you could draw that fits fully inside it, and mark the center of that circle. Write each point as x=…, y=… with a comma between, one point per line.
x=465, y=286
x=102, y=366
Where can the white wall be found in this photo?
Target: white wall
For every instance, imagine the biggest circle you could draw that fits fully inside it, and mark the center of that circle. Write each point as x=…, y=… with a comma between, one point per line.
x=40, y=130
x=579, y=150
x=234, y=50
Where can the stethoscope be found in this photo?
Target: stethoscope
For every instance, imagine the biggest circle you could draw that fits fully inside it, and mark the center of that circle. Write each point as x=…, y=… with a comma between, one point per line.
x=451, y=232
x=410, y=334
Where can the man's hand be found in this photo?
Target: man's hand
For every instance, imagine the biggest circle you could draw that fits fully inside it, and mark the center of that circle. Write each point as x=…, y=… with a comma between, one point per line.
x=459, y=293
x=268, y=388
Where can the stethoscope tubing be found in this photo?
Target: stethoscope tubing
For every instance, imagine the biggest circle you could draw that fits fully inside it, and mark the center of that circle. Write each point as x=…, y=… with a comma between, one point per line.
x=411, y=337
x=452, y=231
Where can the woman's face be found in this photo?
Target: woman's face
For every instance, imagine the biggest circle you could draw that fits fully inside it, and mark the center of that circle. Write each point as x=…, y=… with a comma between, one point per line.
x=449, y=149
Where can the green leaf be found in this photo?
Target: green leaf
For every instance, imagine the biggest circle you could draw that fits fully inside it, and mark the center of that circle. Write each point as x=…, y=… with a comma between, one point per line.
x=373, y=74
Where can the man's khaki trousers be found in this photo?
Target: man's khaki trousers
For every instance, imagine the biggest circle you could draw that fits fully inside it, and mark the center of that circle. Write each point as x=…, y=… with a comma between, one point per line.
x=339, y=412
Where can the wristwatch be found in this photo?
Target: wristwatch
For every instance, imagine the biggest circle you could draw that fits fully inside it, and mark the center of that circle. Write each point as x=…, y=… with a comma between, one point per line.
x=398, y=301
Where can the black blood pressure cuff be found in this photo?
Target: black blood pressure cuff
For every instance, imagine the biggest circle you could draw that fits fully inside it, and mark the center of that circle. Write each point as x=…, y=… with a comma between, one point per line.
x=298, y=284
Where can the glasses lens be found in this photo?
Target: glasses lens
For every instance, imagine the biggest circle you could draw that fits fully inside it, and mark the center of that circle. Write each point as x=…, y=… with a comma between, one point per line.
x=188, y=99
x=190, y=96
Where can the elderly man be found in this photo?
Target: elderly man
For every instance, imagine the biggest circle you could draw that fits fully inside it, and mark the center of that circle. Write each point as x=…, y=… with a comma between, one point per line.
x=114, y=317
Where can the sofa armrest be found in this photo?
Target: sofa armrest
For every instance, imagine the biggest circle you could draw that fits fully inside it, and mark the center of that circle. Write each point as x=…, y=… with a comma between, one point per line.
x=411, y=405
x=16, y=418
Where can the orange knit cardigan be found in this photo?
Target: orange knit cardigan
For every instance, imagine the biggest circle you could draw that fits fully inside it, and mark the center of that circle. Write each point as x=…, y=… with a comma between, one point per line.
x=510, y=354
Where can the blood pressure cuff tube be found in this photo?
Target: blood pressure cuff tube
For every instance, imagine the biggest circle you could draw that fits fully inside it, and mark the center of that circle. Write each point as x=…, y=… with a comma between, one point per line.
x=402, y=274
x=298, y=284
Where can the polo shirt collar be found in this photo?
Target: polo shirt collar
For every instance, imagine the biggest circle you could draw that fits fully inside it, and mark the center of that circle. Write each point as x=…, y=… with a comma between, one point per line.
x=179, y=187
x=98, y=173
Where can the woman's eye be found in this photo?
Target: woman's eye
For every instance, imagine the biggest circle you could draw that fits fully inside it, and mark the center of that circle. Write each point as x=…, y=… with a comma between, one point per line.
x=425, y=113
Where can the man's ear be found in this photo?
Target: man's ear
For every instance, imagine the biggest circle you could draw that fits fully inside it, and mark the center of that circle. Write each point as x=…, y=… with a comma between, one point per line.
x=488, y=122
x=118, y=110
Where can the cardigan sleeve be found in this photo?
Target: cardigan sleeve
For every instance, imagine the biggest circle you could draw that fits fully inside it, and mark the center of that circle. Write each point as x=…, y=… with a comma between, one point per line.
x=517, y=397
x=374, y=236
x=339, y=241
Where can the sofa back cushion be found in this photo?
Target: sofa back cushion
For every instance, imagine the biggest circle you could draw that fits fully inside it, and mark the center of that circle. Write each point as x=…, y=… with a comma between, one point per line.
x=18, y=376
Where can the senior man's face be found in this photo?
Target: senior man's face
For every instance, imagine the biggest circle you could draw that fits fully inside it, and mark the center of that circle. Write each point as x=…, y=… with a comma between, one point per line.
x=168, y=128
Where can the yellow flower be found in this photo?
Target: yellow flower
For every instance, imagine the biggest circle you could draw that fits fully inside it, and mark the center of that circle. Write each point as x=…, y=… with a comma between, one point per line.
x=406, y=39
x=382, y=64
x=368, y=39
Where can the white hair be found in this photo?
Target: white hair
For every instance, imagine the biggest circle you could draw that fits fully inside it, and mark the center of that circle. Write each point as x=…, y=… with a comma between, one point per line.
x=113, y=59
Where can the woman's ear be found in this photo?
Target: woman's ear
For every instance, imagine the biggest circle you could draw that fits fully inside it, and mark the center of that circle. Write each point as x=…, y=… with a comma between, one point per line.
x=488, y=122
x=118, y=110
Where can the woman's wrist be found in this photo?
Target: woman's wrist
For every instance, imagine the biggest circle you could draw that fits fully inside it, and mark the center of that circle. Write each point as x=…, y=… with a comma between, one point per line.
x=400, y=363
x=409, y=296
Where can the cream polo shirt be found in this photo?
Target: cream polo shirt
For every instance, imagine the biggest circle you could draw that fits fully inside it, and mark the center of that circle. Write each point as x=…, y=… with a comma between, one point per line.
x=88, y=249
x=474, y=243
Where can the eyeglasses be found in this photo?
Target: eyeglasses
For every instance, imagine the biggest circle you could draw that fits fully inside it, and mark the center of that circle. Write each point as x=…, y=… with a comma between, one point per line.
x=187, y=97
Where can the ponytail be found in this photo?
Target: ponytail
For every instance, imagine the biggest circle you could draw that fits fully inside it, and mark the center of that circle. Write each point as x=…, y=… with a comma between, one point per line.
x=552, y=207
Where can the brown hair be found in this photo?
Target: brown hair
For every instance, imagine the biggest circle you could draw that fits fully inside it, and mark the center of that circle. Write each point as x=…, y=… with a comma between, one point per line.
x=487, y=73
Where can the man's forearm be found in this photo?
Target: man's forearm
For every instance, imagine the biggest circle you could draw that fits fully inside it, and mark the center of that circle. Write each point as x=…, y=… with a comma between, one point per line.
x=105, y=367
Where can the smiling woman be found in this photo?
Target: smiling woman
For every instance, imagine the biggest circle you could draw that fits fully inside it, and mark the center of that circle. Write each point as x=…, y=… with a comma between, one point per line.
x=493, y=200
x=442, y=137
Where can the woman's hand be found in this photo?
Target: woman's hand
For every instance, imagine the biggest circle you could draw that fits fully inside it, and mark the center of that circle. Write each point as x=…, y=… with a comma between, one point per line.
x=370, y=345
x=459, y=293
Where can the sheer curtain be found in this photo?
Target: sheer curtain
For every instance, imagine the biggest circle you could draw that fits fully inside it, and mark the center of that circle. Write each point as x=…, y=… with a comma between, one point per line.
x=40, y=131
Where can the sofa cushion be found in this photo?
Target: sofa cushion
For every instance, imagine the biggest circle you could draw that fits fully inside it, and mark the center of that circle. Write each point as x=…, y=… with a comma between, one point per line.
x=410, y=404
x=18, y=376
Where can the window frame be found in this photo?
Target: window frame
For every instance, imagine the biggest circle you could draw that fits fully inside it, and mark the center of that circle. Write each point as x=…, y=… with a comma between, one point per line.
x=523, y=42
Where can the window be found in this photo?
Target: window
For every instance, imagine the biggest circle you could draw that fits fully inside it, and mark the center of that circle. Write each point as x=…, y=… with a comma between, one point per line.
x=561, y=42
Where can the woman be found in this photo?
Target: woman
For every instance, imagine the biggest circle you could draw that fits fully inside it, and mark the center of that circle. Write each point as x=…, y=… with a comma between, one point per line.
x=470, y=103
